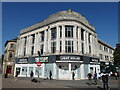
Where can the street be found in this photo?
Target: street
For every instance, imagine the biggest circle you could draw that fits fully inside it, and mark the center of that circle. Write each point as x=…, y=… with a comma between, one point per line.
x=45, y=83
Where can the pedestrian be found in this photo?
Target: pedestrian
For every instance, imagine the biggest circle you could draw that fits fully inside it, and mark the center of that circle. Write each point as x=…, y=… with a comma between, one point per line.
x=31, y=75
x=105, y=81
x=16, y=76
x=89, y=75
x=95, y=78
x=73, y=75
x=50, y=75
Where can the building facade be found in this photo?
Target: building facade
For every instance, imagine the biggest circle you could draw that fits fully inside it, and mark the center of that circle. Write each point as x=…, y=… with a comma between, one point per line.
x=105, y=55
x=65, y=42
x=9, y=56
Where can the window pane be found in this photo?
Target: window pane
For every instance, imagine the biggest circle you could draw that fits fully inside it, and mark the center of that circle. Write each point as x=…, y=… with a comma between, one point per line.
x=24, y=70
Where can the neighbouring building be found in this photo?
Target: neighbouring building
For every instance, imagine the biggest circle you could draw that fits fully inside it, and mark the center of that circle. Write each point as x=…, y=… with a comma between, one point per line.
x=9, y=56
x=67, y=43
x=105, y=55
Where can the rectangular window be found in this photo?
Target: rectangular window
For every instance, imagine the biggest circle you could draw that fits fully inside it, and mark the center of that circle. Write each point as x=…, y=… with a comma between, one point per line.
x=60, y=46
x=25, y=41
x=89, y=49
x=30, y=69
x=24, y=51
x=53, y=33
x=69, y=31
x=53, y=47
x=10, y=55
x=33, y=38
x=41, y=48
x=69, y=46
x=42, y=36
x=24, y=70
x=77, y=32
x=89, y=38
x=60, y=28
x=82, y=34
x=11, y=46
x=82, y=48
x=32, y=50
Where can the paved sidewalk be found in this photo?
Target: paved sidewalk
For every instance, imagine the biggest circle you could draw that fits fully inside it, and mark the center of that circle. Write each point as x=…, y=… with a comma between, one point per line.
x=45, y=83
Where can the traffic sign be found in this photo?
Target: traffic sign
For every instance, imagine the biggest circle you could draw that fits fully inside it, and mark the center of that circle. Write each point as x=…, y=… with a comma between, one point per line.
x=38, y=64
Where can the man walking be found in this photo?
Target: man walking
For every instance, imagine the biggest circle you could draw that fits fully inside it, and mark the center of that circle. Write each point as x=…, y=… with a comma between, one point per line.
x=89, y=75
x=95, y=78
x=31, y=75
x=50, y=75
x=73, y=75
x=105, y=81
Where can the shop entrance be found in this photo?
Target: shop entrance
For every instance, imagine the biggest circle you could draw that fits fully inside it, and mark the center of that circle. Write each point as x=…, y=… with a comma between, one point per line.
x=9, y=70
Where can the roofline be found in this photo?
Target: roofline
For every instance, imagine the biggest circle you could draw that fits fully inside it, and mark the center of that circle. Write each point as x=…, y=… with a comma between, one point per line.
x=55, y=22
x=106, y=44
x=12, y=40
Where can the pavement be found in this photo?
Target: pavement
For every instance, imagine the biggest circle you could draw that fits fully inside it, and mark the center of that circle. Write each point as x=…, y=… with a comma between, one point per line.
x=46, y=83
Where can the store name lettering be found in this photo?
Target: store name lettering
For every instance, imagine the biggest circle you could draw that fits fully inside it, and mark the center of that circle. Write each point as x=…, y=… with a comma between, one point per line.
x=70, y=58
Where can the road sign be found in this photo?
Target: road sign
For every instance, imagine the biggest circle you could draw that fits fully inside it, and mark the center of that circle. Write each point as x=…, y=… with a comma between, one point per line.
x=38, y=64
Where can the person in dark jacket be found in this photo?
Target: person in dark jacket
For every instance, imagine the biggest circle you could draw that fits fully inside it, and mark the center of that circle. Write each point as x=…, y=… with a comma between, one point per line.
x=31, y=75
x=73, y=75
x=105, y=81
x=50, y=75
x=89, y=75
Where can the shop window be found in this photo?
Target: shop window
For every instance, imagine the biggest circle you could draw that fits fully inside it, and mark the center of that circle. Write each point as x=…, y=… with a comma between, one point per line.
x=18, y=70
x=38, y=70
x=9, y=70
x=59, y=66
x=24, y=70
x=30, y=69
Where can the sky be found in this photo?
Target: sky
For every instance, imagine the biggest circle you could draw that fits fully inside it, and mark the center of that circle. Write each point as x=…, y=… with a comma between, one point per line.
x=19, y=15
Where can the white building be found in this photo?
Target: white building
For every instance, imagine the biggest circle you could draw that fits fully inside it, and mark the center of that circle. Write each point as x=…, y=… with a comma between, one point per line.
x=67, y=43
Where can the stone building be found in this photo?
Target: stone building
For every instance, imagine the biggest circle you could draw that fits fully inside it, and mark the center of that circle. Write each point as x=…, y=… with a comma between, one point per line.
x=9, y=56
x=105, y=55
x=67, y=43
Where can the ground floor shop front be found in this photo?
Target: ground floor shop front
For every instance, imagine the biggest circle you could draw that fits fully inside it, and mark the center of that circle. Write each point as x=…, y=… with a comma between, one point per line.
x=62, y=68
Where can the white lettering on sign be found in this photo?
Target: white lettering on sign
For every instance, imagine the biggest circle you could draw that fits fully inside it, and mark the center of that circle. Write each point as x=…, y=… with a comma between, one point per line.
x=41, y=59
x=23, y=60
x=94, y=60
x=74, y=58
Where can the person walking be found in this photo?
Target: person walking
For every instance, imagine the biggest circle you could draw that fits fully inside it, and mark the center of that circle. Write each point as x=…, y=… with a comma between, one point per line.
x=31, y=75
x=16, y=76
x=116, y=75
x=73, y=75
x=89, y=75
x=105, y=81
x=50, y=75
x=95, y=78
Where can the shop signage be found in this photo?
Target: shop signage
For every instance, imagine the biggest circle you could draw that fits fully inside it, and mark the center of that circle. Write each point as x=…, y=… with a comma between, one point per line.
x=41, y=59
x=94, y=60
x=70, y=58
x=23, y=60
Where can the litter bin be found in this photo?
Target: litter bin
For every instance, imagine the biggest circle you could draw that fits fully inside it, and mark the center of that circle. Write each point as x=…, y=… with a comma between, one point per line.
x=6, y=75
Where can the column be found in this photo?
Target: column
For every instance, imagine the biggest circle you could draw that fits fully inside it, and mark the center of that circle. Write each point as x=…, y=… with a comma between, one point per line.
x=63, y=39
x=74, y=40
x=87, y=44
x=58, y=40
x=43, y=69
x=70, y=73
x=45, y=43
x=54, y=70
x=49, y=40
x=79, y=40
x=27, y=44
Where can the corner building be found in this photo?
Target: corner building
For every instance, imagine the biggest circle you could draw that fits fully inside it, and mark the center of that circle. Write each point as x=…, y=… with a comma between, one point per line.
x=67, y=43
